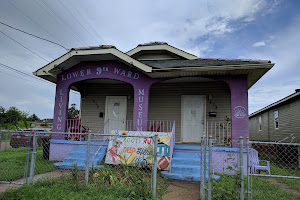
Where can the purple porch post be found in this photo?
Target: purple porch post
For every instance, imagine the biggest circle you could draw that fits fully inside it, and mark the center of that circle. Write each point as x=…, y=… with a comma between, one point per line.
x=141, y=107
x=61, y=109
x=239, y=107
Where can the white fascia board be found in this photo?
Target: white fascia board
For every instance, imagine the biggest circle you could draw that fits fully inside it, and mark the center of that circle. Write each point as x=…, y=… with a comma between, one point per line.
x=220, y=68
x=163, y=47
x=45, y=70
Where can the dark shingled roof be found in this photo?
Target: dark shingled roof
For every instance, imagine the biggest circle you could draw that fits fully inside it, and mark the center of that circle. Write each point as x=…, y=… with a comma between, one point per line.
x=201, y=62
x=95, y=47
x=152, y=43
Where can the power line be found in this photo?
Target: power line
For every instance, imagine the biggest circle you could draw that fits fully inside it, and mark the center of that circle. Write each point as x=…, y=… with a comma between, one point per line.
x=23, y=73
x=33, y=21
x=29, y=76
x=34, y=35
x=67, y=24
x=24, y=46
x=64, y=27
x=77, y=20
x=86, y=20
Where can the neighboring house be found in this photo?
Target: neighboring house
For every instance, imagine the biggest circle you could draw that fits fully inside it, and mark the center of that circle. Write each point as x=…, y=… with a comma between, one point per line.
x=42, y=123
x=279, y=121
x=155, y=84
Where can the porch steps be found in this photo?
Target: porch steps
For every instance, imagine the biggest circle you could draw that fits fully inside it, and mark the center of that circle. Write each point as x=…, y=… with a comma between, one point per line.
x=186, y=163
x=78, y=157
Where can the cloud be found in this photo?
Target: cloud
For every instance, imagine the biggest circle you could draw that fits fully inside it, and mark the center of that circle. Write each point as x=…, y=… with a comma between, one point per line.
x=193, y=26
x=283, y=78
x=259, y=44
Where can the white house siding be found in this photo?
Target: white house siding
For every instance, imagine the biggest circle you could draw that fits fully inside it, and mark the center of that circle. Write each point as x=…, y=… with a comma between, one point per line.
x=164, y=102
x=96, y=95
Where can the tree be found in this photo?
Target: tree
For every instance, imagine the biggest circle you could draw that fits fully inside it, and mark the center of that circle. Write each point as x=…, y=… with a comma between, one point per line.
x=13, y=116
x=33, y=117
x=73, y=112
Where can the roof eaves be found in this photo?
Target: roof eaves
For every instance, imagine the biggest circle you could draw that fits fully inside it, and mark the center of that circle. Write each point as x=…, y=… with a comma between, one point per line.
x=110, y=49
x=161, y=45
x=275, y=104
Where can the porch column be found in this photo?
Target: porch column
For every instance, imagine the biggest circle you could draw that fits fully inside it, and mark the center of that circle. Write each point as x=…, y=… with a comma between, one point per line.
x=141, y=107
x=239, y=107
x=61, y=109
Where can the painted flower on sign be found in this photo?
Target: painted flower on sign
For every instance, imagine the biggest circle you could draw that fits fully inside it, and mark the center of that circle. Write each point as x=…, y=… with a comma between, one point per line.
x=240, y=112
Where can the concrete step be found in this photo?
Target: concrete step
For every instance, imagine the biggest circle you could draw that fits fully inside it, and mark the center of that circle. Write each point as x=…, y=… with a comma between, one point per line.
x=61, y=165
x=186, y=169
x=187, y=155
x=75, y=155
x=77, y=161
x=186, y=161
x=186, y=177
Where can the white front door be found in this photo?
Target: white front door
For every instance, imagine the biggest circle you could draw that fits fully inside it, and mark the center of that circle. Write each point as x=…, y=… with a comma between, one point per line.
x=193, y=117
x=115, y=112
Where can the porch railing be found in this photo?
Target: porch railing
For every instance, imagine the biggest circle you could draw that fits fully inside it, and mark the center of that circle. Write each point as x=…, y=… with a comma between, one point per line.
x=172, y=144
x=220, y=132
x=153, y=125
x=98, y=141
x=75, y=126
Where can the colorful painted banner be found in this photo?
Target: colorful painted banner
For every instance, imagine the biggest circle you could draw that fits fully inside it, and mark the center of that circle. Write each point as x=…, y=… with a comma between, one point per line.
x=137, y=150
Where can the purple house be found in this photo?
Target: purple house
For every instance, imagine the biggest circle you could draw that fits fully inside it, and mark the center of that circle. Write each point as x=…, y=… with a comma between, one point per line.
x=153, y=85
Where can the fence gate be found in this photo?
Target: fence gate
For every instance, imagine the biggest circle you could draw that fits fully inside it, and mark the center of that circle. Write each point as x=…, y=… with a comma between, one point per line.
x=273, y=170
x=15, y=153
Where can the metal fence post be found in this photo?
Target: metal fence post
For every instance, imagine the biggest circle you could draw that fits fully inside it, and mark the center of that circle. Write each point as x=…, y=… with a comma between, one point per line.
x=27, y=160
x=87, y=163
x=209, y=167
x=32, y=164
x=0, y=137
x=241, y=168
x=154, y=166
x=202, y=169
x=6, y=141
x=248, y=170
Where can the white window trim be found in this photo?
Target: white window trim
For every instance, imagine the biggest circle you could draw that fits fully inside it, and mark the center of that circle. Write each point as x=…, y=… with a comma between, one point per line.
x=259, y=124
x=277, y=119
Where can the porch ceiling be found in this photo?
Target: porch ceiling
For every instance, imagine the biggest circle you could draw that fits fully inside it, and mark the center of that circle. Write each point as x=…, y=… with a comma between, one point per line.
x=253, y=71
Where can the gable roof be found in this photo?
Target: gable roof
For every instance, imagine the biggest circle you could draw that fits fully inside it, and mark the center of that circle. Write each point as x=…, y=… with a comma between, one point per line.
x=285, y=99
x=158, y=60
x=77, y=55
x=160, y=46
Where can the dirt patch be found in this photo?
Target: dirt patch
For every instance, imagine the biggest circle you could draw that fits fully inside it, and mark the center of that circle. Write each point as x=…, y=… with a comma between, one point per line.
x=284, y=187
x=179, y=190
x=3, y=145
x=18, y=183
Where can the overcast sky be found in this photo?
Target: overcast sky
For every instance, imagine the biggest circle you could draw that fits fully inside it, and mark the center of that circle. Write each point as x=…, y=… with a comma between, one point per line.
x=254, y=29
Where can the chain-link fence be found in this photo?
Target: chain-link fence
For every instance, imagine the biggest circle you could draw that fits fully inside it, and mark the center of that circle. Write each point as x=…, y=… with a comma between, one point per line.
x=255, y=170
x=121, y=161
x=274, y=170
x=223, y=174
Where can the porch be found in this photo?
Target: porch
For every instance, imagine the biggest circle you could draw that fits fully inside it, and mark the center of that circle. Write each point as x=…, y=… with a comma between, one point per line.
x=220, y=131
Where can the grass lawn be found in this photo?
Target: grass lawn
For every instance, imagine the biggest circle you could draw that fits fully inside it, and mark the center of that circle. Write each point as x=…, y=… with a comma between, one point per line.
x=228, y=188
x=12, y=163
x=109, y=183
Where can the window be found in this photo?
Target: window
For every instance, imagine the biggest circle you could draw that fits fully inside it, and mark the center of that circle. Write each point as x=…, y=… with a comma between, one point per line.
x=259, y=123
x=276, y=120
